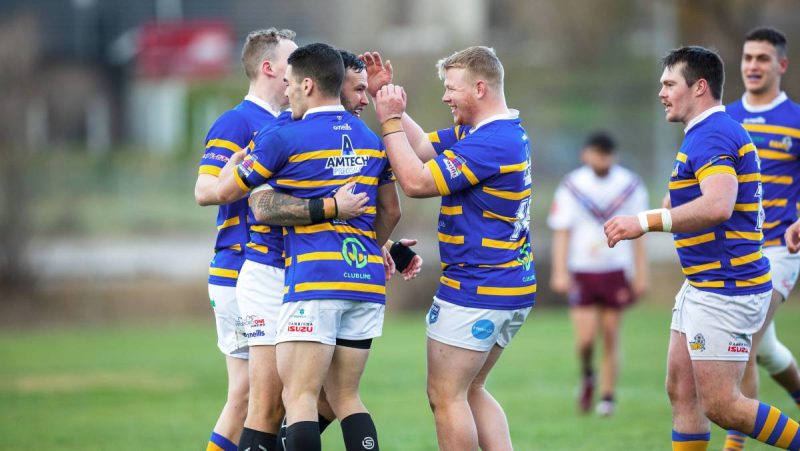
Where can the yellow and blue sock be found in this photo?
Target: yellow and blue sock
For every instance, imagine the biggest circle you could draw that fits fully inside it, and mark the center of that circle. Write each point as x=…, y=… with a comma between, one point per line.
x=220, y=443
x=690, y=442
x=774, y=428
x=734, y=441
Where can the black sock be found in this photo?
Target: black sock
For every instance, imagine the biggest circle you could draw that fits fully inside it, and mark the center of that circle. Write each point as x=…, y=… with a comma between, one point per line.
x=359, y=433
x=323, y=423
x=252, y=439
x=608, y=397
x=281, y=438
x=303, y=436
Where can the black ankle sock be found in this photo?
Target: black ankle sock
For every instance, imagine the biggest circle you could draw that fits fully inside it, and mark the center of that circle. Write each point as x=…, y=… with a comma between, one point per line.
x=359, y=433
x=303, y=436
x=252, y=439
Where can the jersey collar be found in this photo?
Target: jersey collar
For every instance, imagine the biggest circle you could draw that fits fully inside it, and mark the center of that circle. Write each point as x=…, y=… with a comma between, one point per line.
x=324, y=109
x=512, y=114
x=703, y=116
x=262, y=104
x=762, y=108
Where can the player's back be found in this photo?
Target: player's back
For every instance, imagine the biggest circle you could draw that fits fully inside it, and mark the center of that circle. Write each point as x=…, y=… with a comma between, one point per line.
x=775, y=131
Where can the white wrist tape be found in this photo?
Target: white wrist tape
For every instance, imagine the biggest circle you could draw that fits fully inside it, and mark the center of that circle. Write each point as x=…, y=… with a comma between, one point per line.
x=658, y=220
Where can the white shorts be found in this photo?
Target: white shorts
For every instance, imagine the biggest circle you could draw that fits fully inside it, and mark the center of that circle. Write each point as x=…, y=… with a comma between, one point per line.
x=785, y=267
x=230, y=328
x=260, y=294
x=326, y=320
x=718, y=327
x=473, y=328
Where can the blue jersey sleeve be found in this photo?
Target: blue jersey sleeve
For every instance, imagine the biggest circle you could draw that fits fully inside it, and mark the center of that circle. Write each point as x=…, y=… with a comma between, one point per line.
x=446, y=138
x=229, y=134
x=715, y=158
x=462, y=167
x=268, y=156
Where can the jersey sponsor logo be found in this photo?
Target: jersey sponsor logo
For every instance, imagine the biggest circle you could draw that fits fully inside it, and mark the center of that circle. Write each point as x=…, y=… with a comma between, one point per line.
x=348, y=163
x=433, y=314
x=525, y=257
x=784, y=144
x=342, y=127
x=755, y=120
x=354, y=253
x=453, y=165
x=738, y=347
x=482, y=329
x=302, y=324
x=698, y=344
x=215, y=156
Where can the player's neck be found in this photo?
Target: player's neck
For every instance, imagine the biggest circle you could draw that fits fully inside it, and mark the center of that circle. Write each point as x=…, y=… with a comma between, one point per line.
x=317, y=102
x=493, y=109
x=764, y=98
x=273, y=99
x=700, y=107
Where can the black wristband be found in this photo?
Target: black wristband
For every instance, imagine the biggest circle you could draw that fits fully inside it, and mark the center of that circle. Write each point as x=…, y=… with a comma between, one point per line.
x=402, y=256
x=335, y=208
x=316, y=210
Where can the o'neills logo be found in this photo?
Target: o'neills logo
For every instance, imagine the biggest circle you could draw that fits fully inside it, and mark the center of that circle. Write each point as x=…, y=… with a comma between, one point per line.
x=348, y=163
x=300, y=327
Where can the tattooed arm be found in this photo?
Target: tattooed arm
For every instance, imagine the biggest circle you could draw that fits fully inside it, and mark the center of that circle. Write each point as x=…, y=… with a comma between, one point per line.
x=271, y=207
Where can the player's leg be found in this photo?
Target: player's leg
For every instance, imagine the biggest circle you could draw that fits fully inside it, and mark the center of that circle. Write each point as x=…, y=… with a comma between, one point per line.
x=490, y=419
x=341, y=387
x=232, y=342
x=610, y=320
x=451, y=371
x=584, y=323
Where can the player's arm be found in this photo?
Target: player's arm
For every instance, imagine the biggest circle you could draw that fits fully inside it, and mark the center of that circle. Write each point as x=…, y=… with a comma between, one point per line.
x=415, y=178
x=560, y=279
x=712, y=207
x=380, y=75
x=272, y=207
x=229, y=186
x=792, y=236
x=387, y=213
x=205, y=190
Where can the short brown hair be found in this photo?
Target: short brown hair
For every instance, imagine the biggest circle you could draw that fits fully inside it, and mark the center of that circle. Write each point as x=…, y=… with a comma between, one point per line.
x=260, y=45
x=479, y=61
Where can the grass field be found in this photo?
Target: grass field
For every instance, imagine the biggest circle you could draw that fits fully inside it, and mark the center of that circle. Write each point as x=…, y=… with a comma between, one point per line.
x=160, y=387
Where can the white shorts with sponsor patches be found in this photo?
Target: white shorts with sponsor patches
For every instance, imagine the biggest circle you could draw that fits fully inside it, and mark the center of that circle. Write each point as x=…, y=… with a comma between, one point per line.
x=324, y=321
x=259, y=292
x=718, y=327
x=785, y=267
x=230, y=327
x=473, y=328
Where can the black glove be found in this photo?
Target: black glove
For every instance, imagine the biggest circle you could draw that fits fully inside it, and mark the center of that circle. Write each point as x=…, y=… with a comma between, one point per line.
x=402, y=256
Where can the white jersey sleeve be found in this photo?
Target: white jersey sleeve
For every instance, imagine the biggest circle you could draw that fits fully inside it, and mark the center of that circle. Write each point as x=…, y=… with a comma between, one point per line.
x=562, y=212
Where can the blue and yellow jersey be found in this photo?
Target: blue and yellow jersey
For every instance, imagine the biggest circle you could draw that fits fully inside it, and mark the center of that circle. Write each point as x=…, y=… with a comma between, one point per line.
x=727, y=258
x=484, y=177
x=775, y=130
x=266, y=241
x=232, y=132
x=312, y=158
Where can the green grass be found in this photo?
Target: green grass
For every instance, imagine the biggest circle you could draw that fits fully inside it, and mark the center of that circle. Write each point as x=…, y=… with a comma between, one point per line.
x=133, y=387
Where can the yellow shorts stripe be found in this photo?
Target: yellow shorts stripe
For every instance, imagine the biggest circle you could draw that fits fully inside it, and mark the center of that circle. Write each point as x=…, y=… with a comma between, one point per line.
x=230, y=222
x=777, y=179
x=755, y=280
x=451, y=239
x=689, y=270
x=336, y=286
x=221, y=272
x=446, y=281
x=209, y=169
x=738, y=235
x=507, y=291
x=743, y=260
x=224, y=143
x=772, y=419
x=438, y=178
x=510, y=195
x=774, y=203
x=497, y=244
x=452, y=210
x=695, y=240
x=774, y=129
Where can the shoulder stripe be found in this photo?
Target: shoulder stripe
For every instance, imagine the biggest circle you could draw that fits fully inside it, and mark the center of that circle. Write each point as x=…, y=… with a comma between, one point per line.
x=230, y=222
x=464, y=168
x=738, y=235
x=209, y=169
x=452, y=210
x=743, y=260
x=225, y=144
x=451, y=239
x=507, y=291
x=346, y=286
x=755, y=281
x=695, y=240
x=689, y=270
x=774, y=129
x=438, y=177
x=221, y=272
x=775, y=155
x=510, y=195
x=778, y=179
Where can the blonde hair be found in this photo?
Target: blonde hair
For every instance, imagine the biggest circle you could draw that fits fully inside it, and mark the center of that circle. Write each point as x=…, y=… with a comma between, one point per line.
x=260, y=45
x=480, y=62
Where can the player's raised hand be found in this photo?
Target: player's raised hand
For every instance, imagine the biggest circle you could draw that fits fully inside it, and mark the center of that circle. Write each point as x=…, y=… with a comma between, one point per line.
x=379, y=74
x=350, y=205
x=792, y=236
x=390, y=102
x=621, y=228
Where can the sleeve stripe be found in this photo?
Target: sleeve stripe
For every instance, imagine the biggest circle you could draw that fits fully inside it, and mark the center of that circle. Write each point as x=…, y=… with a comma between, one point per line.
x=703, y=173
x=258, y=167
x=225, y=144
x=433, y=137
x=438, y=177
x=241, y=182
x=469, y=175
x=209, y=169
x=749, y=147
x=680, y=184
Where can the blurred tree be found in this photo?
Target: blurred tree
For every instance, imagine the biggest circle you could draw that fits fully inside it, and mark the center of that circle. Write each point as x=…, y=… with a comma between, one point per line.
x=19, y=58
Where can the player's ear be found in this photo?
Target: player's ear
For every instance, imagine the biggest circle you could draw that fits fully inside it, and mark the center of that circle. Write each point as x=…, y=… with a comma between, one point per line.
x=700, y=87
x=480, y=88
x=266, y=67
x=308, y=86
